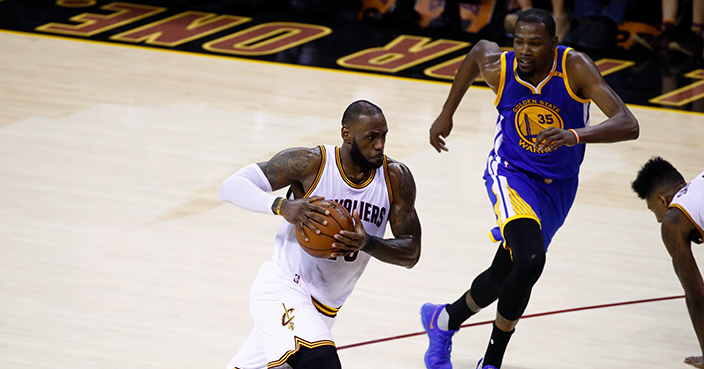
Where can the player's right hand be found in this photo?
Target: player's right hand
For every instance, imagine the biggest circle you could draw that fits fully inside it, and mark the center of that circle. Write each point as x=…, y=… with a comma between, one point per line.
x=303, y=214
x=350, y=241
x=441, y=127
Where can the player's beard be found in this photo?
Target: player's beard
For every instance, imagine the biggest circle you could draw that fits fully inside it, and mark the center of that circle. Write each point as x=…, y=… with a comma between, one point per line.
x=359, y=159
x=527, y=74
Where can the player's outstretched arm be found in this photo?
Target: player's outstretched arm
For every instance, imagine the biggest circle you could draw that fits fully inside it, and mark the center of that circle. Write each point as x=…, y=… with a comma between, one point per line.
x=251, y=186
x=404, y=248
x=483, y=59
x=675, y=234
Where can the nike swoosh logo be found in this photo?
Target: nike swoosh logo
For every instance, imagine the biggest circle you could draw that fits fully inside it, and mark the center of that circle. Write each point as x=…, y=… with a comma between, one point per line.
x=432, y=319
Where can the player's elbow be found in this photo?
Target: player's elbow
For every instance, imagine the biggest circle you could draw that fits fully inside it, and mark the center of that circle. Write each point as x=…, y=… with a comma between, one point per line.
x=635, y=130
x=223, y=191
x=633, y=127
x=414, y=257
x=228, y=188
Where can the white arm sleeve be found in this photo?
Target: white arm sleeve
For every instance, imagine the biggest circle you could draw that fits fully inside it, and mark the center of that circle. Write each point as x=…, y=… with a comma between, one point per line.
x=248, y=188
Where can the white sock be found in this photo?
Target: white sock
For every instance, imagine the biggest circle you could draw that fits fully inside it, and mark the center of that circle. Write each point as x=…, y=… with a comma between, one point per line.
x=443, y=320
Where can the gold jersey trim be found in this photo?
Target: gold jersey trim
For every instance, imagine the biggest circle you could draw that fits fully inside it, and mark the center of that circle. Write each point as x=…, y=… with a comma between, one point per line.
x=678, y=206
x=521, y=209
x=491, y=237
x=299, y=343
x=535, y=89
x=517, y=216
x=328, y=311
x=344, y=176
x=388, y=181
x=320, y=172
x=566, y=79
x=502, y=79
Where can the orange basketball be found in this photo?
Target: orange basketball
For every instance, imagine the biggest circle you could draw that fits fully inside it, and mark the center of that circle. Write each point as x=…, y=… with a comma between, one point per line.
x=320, y=245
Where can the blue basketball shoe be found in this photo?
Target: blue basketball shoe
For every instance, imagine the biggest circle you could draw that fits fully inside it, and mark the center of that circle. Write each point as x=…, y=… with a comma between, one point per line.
x=438, y=354
x=479, y=365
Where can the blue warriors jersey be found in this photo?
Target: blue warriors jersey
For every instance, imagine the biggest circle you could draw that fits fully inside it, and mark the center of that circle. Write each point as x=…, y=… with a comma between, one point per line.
x=525, y=110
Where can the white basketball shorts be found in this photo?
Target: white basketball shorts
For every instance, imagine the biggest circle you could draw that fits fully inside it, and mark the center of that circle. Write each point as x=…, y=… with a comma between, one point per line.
x=285, y=319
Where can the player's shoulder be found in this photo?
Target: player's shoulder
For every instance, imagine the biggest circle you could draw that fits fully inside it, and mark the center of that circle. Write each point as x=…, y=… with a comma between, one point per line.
x=399, y=174
x=301, y=158
x=676, y=222
x=488, y=46
x=577, y=60
x=303, y=152
x=488, y=50
x=396, y=167
x=582, y=72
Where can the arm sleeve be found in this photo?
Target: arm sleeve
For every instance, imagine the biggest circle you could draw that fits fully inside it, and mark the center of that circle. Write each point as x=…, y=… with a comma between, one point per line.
x=248, y=188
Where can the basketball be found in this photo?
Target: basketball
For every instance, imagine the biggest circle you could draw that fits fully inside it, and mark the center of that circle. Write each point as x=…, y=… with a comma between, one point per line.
x=320, y=245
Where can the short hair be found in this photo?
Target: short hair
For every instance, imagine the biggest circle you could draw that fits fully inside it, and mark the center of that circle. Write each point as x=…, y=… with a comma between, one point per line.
x=654, y=174
x=357, y=109
x=540, y=16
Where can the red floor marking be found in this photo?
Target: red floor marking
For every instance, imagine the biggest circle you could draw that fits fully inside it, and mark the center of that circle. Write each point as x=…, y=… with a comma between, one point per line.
x=524, y=317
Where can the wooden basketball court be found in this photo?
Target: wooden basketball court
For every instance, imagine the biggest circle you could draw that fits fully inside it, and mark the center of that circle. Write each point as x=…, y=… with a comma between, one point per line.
x=117, y=253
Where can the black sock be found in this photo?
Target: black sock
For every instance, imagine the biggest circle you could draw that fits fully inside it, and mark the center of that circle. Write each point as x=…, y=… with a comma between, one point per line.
x=497, y=347
x=458, y=312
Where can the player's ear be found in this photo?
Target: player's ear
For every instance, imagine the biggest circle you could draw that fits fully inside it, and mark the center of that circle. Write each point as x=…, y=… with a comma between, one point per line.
x=346, y=135
x=663, y=200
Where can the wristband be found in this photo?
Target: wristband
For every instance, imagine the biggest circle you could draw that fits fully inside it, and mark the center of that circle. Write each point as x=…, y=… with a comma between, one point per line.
x=370, y=245
x=575, y=134
x=276, y=205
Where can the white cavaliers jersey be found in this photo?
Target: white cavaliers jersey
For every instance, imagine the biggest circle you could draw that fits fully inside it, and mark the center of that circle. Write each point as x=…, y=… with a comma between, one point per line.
x=330, y=281
x=690, y=199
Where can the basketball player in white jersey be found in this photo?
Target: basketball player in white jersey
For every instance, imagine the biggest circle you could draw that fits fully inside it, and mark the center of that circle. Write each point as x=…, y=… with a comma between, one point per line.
x=679, y=206
x=295, y=297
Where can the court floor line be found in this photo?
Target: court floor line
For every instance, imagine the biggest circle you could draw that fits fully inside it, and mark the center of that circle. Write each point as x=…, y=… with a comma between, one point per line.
x=554, y=312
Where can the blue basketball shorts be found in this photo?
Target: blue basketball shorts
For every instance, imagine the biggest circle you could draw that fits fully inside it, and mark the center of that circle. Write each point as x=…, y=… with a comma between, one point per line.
x=518, y=194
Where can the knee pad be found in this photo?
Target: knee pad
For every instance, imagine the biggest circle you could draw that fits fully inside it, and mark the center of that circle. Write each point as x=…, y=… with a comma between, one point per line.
x=323, y=357
x=528, y=250
x=487, y=286
x=527, y=245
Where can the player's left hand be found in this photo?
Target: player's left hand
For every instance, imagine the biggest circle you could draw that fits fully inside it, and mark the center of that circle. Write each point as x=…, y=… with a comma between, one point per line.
x=696, y=361
x=551, y=138
x=349, y=242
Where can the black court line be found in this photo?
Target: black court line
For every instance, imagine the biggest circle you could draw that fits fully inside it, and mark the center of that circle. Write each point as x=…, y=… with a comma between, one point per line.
x=524, y=317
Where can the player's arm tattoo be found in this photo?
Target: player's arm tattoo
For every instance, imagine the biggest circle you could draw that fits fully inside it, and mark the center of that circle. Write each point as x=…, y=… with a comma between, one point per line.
x=675, y=234
x=290, y=166
x=404, y=248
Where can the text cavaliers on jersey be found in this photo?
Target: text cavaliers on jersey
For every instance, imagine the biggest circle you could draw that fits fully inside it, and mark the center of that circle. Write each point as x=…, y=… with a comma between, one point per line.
x=368, y=212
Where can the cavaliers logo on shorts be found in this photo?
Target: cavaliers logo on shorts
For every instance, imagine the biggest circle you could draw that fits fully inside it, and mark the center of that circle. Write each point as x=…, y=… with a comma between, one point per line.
x=287, y=318
x=533, y=116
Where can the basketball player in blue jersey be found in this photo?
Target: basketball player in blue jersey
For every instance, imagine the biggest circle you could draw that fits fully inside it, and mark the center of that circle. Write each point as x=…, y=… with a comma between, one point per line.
x=295, y=297
x=543, y=94
x=679, y=206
